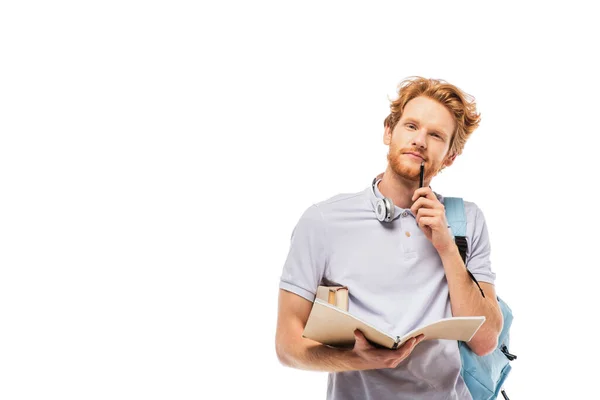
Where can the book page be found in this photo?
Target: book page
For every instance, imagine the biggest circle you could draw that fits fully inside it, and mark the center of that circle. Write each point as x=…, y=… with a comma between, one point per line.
x=454, y=328
x=333, y=326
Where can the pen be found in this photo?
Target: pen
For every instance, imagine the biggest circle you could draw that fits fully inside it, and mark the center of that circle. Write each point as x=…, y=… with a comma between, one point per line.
x=422, y=173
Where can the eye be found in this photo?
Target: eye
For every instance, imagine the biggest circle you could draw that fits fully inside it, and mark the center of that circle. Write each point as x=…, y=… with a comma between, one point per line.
x=438, y=135
x=410, y=125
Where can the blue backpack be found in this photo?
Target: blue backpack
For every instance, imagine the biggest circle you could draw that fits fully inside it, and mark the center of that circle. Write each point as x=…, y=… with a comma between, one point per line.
x=483, y=375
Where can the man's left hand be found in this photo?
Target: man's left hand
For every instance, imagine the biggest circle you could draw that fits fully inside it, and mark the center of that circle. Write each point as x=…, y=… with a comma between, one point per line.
x=431, y=218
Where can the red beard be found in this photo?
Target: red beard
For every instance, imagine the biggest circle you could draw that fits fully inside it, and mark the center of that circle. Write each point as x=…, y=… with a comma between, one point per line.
x=403, y=166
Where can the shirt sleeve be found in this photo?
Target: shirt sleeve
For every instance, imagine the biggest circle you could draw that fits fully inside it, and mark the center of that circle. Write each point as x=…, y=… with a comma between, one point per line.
x=305, y=263
x=478, y=258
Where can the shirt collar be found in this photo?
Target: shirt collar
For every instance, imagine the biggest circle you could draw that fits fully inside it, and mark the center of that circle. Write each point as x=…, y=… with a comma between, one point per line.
x=397, y=210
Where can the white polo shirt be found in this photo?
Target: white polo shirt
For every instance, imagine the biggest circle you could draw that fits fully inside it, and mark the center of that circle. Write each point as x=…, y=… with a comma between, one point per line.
x=396, y=282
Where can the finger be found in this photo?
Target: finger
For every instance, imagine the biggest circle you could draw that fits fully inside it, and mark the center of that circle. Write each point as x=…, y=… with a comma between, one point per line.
x=425, y=203
x=424, y=222
x=436, y=215
x=358, y=335
x=417, y=340
x=406, y=348
x=412, y=342
x=424, y=192
x=361, y=340
x=428, y=212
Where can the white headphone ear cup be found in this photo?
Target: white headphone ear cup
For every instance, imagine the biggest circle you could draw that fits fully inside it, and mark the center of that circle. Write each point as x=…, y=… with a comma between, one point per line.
x=380, y=210
x=389, y=209
x=384, y=209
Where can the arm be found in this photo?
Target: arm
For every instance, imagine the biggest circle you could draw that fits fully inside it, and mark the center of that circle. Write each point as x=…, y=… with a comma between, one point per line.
x=295, y=351
x=466, y=300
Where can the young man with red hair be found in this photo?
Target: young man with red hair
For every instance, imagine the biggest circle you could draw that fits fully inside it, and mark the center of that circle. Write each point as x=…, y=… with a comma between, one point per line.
x=401, y=273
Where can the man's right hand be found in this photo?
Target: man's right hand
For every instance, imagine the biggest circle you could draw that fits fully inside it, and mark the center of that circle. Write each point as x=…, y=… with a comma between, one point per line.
x=375, y=358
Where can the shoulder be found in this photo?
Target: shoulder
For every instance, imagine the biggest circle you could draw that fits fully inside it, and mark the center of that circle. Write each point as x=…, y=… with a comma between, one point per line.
x=472, y=210
x=340, y=207
x=343, y=202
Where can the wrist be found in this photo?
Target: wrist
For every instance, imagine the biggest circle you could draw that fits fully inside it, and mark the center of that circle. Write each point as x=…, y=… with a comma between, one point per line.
x=450, y=250
x=357, y=361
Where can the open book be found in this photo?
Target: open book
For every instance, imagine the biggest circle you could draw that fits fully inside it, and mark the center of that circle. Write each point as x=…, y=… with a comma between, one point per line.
x=334, y=326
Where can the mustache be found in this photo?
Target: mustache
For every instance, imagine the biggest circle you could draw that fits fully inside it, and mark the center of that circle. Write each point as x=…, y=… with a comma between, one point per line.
x=414, y=151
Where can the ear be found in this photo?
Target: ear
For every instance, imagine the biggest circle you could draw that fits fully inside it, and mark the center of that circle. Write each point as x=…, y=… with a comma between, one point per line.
x=450, y=159
x=387, y=135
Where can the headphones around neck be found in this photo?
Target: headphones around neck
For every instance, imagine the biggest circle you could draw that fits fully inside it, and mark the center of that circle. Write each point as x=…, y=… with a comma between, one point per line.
x=384, y=208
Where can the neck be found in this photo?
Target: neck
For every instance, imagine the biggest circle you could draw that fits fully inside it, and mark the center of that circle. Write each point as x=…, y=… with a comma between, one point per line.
x=398, y=188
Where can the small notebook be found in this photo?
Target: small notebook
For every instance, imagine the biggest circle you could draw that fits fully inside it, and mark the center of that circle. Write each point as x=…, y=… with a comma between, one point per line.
x=331, y=325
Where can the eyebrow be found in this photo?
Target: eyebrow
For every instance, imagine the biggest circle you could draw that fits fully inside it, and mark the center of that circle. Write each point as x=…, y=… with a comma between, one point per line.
x=416, y=121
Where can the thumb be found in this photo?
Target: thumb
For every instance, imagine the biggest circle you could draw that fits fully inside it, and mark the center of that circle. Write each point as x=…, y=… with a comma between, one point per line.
x=359, y=337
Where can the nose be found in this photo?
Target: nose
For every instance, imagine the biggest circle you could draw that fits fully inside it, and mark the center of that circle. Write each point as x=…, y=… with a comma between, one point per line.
x=419, y=140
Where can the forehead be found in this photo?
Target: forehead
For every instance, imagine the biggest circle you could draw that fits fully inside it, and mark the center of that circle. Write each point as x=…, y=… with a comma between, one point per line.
x=429, y=113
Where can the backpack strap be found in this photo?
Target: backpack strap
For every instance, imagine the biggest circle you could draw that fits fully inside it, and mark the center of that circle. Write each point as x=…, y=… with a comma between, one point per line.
x=457, y=219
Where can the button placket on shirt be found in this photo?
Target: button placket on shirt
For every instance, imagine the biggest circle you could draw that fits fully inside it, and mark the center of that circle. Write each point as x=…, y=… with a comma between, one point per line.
x=407, y=237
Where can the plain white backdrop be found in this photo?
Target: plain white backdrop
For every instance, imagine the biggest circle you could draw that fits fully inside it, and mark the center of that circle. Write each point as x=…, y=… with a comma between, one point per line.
x=155, y=157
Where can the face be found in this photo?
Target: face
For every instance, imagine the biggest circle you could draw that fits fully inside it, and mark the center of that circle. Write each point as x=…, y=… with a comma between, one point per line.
x=425, y=129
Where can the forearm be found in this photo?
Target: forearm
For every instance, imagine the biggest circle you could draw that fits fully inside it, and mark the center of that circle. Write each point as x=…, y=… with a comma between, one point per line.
x=466, y=299
x=310, y=355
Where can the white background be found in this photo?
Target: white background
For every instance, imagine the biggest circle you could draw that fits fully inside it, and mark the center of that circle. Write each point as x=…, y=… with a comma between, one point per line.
x=155, y=157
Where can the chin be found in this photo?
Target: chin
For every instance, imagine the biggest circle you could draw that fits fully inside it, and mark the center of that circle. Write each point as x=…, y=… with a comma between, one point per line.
x=399, y=165
x=406, y=171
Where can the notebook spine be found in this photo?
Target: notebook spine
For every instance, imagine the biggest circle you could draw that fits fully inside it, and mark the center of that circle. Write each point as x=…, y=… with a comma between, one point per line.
x=334, y=295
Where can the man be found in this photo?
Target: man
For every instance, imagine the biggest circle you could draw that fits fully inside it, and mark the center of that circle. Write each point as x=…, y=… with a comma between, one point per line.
x=401, y=274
